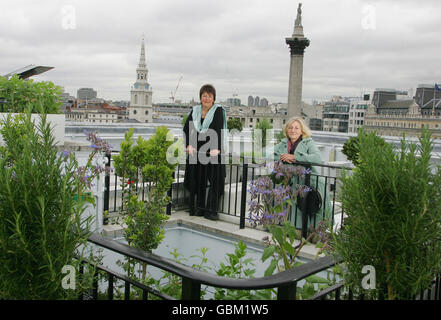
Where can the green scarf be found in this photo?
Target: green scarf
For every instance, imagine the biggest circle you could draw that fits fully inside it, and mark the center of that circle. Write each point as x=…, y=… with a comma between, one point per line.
x=201, y=128
x=197, y=117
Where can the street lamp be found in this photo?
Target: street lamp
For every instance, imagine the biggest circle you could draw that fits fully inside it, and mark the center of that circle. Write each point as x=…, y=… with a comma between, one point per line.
x=28, y=71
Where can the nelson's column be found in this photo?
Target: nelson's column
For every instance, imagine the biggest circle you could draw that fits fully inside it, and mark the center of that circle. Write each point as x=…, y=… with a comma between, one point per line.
x=297, y=44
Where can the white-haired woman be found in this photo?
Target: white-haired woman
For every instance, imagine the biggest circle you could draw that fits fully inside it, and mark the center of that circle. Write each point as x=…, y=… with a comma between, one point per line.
x=299, y=146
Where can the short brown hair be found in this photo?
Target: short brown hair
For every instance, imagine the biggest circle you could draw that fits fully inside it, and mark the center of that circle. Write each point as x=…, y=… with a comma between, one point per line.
x=208, y=88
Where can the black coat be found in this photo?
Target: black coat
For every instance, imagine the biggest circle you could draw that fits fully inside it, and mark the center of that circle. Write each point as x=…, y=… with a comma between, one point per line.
x=197, y=174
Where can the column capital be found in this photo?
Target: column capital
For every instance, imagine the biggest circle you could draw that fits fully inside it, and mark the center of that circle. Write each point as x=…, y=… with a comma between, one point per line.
x=297, y=45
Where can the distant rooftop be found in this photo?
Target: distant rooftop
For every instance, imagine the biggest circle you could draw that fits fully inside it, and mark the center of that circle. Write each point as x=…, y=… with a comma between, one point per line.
x=385, y=90
x=430, y=86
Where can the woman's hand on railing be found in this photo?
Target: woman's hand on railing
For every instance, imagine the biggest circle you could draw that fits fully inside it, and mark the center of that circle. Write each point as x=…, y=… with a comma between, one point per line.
x=287, y=157
x=190, y=150
x=214, y=152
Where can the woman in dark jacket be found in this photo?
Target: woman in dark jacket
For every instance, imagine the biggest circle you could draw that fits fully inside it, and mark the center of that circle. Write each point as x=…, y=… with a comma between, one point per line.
x=204, y=145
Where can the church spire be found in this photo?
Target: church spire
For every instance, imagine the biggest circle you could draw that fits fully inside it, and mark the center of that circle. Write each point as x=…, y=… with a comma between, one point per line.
x=142, y=57
x=142, y=71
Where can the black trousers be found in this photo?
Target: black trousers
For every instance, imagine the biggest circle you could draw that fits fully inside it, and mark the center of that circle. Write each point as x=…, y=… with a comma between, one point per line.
x=205, y=198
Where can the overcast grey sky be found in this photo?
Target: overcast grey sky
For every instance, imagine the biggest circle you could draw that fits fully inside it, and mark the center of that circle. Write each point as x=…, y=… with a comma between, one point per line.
x=237, y=45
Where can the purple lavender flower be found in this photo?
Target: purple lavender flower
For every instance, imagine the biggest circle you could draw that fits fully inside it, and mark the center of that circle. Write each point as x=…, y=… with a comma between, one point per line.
x=306, y=171
x=270, y=195
x=98, y=143
x=66, y=154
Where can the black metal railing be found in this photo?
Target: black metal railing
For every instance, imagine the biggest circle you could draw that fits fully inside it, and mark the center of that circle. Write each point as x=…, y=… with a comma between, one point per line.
x=233, y=202
x=339, y=292
x=286, y=282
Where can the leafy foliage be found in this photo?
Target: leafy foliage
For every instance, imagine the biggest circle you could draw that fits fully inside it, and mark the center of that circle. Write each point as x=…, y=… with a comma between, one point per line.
x=283, y=251
x=41, y=97
x=184, y=119
x=145, y=162
x=351, y=148
x=393, y=207
x=271, y=195
x=234, y=123
x=263, y=125
x=41, y=222
x=280, y=136
x=238, y=266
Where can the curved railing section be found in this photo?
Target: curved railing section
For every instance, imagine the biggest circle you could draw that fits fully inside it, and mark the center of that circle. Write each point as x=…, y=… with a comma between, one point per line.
x=192, y=279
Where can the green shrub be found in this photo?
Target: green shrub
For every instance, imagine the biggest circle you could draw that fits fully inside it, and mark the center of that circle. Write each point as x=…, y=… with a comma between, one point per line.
x=238, y=266
x=393, y=206
x=145, y=162
x=234, y=123
x=263, y=125
x=351, y=148
x=20, y=94
x=41, y=223
x=184, y=119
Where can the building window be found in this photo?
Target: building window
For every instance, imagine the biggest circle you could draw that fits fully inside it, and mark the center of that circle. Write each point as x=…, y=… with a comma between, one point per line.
x=146, y=112
x=134, y=111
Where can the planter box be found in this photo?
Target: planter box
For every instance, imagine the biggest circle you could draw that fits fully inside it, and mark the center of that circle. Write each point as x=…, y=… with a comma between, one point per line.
x=57, y=123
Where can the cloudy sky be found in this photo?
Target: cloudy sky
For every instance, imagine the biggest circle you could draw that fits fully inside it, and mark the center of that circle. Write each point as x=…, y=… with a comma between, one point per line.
x=237, y=45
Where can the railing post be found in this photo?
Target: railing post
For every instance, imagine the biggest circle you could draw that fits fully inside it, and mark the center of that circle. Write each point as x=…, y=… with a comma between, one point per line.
x=305, y=213
x=170, y=194
x=108, y=158
x=95, y=285
x=287, y=292
x=243, y=200
x=81, y=271
x=110, y=288
x=191, y=290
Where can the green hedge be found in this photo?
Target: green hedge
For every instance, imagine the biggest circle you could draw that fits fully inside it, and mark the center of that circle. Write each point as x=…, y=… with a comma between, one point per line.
x=18, y=94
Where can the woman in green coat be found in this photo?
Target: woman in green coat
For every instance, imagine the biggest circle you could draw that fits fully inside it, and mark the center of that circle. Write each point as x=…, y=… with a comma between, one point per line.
x=299, y=146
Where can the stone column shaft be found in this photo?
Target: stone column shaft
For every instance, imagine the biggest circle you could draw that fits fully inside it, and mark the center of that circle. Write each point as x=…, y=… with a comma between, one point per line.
x=295, y=86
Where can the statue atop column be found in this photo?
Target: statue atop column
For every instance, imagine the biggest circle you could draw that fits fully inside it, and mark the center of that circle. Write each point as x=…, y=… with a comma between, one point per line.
x=298, y=28
x=298, y=21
